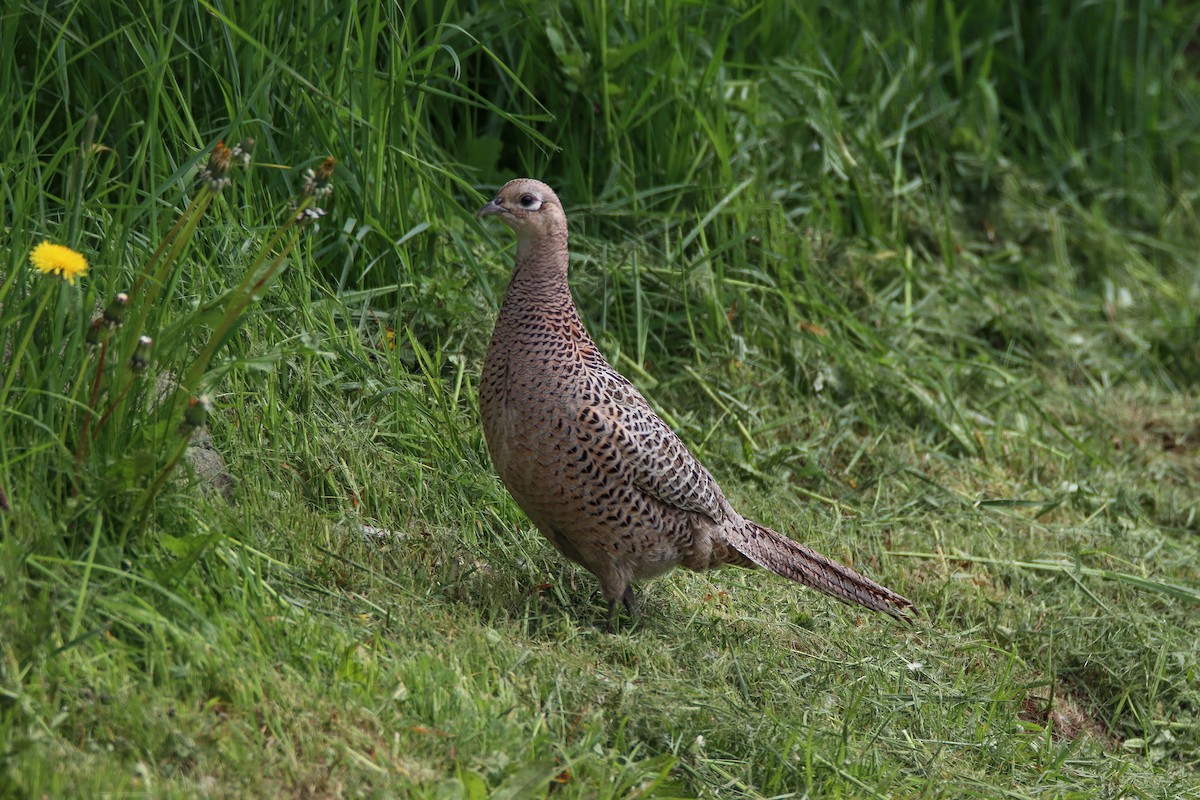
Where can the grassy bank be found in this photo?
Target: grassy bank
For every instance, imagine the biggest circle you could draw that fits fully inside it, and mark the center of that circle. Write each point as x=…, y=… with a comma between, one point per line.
x=918, y=283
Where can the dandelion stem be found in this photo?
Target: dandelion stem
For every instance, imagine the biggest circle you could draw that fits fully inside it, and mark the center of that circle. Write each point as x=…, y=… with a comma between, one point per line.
x=114, y=404
x=81, y=450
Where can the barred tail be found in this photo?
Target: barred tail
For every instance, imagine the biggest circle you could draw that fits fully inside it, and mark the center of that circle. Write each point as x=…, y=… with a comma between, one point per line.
x=804, y=565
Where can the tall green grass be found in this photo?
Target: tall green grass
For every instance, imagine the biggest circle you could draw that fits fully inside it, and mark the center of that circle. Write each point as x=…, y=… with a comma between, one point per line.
x=916, y=280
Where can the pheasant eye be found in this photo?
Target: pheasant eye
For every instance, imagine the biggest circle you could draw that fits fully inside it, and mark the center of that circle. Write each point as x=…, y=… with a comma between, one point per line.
x=528, y=200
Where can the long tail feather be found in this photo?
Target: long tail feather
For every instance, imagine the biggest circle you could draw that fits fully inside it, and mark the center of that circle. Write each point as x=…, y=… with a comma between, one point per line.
x=796, y=562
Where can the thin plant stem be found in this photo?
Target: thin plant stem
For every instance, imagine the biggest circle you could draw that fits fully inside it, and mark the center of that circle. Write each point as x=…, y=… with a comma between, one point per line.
x=81, y=450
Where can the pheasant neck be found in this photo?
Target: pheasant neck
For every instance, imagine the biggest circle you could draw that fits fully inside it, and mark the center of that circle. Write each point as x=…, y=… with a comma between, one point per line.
x=541, y=272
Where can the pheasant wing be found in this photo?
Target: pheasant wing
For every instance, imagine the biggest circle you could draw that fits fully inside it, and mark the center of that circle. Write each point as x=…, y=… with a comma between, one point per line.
x=654, y=457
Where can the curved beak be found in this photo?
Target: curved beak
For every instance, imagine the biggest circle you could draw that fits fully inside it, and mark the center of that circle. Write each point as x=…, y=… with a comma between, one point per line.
x=491, y=208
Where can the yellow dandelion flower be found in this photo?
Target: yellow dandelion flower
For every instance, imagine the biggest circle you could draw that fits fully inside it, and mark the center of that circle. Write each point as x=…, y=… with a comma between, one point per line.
x=54, y=258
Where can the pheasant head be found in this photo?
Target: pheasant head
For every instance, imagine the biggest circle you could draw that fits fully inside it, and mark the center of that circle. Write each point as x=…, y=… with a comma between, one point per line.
x=533, y=211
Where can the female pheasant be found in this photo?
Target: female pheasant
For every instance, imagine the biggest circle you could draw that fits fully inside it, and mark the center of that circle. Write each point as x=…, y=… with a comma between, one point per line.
x=599, y=473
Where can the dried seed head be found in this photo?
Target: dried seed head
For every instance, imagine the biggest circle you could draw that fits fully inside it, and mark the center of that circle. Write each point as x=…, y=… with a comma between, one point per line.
x=318, y=184
x=114, y=313
x=215, y=174
x=96, y=331
x=141, y=354
x=198, y=409
x=241, y=152
x=325, y=171
x=311, y=214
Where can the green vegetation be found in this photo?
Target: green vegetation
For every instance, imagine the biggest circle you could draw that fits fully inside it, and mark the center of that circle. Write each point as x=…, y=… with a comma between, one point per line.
x=917, y=281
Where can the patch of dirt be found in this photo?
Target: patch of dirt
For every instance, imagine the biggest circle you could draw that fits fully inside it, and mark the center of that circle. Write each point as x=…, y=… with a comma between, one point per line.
x=1156, y=424
x=1065, y=716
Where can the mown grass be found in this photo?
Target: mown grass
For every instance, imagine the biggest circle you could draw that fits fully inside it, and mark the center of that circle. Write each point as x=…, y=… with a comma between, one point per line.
x=916, y=281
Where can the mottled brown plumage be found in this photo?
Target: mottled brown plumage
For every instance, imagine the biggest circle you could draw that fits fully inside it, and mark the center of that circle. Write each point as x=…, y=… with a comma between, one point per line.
x=599, y=473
